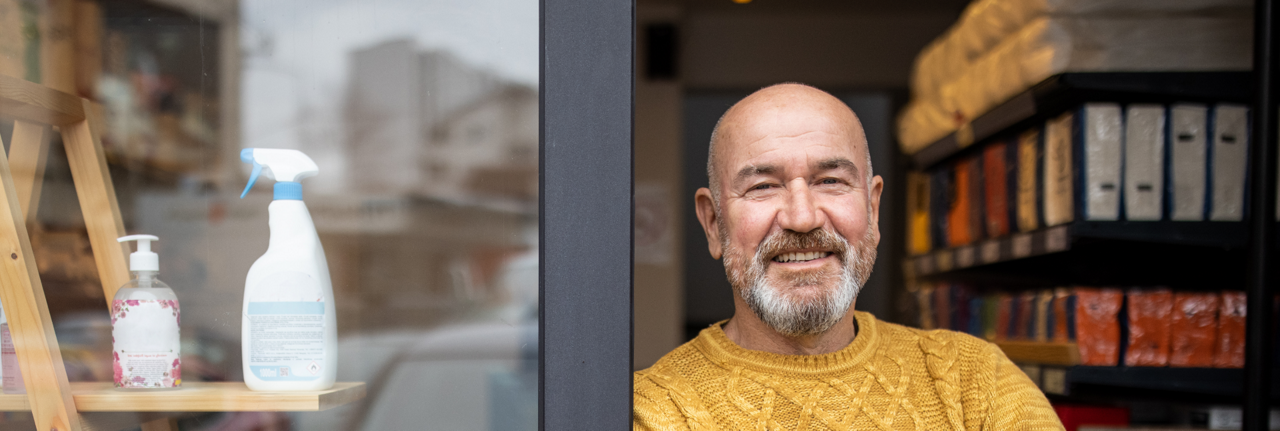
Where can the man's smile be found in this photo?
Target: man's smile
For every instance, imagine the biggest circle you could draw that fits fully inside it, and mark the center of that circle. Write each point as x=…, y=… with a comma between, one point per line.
x=801, y=259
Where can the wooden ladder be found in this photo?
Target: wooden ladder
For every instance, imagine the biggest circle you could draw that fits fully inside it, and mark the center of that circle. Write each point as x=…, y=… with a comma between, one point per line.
x=36, y=109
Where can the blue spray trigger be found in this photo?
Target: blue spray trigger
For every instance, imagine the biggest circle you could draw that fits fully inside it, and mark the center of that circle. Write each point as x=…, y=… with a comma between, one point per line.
x=246, y=155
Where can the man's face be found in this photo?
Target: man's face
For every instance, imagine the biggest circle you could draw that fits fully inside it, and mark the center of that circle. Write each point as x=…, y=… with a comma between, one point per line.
x=797, y=214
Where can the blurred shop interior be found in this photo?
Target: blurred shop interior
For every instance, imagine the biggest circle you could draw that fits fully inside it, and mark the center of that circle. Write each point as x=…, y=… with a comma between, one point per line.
x=946, y=91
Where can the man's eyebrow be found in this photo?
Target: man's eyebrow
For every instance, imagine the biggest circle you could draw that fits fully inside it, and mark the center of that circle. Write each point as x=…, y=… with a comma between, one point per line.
x=751, y=171
x=837, y=163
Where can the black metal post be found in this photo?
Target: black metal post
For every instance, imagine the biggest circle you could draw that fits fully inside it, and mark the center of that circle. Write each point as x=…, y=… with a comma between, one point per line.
x=1262, y=202
x=585, y=209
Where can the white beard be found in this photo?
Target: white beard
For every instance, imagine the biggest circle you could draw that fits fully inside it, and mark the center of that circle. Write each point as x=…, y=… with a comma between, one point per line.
x=790, y=316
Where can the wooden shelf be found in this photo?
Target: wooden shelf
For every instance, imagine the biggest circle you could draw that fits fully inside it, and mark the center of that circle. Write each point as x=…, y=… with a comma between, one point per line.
x=1035, y=352
x=198, y=397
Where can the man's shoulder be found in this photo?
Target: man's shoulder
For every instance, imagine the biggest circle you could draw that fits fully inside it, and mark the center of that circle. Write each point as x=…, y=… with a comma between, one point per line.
x=932, y=339
x=672, y=365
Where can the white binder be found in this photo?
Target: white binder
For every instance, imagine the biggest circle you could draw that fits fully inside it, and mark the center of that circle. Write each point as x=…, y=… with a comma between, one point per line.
x=1144, y=162
x=1187, y=161
x=1100, y=131
x=1229, y=154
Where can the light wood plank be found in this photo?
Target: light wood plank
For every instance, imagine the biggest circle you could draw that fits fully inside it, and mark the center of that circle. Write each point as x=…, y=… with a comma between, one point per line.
x=25, y=100
x=28, y=154
x=1041, y=353
x=93, y=397
x=97, y=200
x=22, y=296
x=211, y=397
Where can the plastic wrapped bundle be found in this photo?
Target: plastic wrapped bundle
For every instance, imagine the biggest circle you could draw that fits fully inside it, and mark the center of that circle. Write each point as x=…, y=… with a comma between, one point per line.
x=1053, y=45
x=986, y=23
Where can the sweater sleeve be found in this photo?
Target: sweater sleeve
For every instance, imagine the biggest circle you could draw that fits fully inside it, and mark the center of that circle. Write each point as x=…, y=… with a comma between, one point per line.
x=1016, y=402
x=653, y=408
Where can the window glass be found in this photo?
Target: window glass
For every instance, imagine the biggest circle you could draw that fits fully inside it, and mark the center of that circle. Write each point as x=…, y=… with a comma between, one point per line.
x=422, y=118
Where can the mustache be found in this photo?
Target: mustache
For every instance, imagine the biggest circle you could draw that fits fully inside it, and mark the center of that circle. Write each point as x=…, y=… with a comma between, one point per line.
x=784, y=240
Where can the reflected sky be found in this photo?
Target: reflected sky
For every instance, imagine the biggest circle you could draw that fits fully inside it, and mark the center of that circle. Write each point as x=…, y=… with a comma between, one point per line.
x=295, y=55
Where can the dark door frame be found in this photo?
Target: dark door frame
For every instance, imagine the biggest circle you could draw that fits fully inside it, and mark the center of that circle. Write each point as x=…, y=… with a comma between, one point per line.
x=585, y=211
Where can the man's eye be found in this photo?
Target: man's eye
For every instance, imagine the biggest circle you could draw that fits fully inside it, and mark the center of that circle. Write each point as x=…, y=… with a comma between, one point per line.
x=762, y=187
x=829, y=181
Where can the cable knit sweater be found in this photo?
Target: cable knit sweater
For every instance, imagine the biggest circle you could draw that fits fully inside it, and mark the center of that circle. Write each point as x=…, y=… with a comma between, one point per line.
x=890, y=378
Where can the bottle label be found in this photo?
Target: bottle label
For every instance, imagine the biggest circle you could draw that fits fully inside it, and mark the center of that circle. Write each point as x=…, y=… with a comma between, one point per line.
x=12, y=375
x=286, y=340
x=147, y=349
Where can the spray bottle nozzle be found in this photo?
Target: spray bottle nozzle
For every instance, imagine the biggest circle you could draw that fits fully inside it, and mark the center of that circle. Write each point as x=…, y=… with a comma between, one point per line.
x=284, y=166
x=246, y=155
x=143, y=259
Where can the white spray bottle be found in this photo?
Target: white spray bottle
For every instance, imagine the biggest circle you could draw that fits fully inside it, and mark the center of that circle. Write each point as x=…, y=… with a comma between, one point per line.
x=288, y=329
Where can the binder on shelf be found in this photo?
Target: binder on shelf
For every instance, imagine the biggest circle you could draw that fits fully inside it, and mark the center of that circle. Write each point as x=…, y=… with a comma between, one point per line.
x=1064, y=315
x=1043, y=324
x=942, y=306
x=1193, y=329
x=1149, y=312
x=940, y=184
x=1059, y=170
x=976, y=316
x=960, y=214
x=918, y=213
x=1030, y=160
x=1004, y=311
x=1229, y=343
x=924, y=298
x=1187, y=161
x=1229, y=159
x=1097, y=325
x=990, y=313
x=1144, y=162
x=977, y=210
x=1099, y=146
x=996, y=174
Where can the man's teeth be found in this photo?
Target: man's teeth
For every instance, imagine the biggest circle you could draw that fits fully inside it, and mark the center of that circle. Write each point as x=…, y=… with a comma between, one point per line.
x=800, y=257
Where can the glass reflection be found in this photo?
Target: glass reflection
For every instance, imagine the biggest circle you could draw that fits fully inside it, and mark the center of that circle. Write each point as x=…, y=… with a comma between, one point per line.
x=423, y=118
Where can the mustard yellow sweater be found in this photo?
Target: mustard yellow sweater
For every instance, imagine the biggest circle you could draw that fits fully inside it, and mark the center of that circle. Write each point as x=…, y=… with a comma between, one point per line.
x=890, y=378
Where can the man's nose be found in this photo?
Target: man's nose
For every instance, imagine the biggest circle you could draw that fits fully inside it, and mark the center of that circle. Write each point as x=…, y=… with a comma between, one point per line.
x=801, y=212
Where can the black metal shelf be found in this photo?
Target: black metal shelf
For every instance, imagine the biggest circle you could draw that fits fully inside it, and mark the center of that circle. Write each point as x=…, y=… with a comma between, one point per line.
x=1107, y=251
x=1065, y=91
x=1221, y=384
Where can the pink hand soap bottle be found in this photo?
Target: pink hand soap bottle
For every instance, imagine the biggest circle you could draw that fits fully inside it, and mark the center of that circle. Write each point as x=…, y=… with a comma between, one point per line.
x=146, y=349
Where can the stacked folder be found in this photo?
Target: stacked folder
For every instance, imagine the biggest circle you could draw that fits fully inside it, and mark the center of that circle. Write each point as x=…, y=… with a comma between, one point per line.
x=1134, y=327
x=1099, y=162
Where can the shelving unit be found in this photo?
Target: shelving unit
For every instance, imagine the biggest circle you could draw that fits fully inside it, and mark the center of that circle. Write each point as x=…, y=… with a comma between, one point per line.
x=53, y=401
x=1216, y=255
x=1065, y=91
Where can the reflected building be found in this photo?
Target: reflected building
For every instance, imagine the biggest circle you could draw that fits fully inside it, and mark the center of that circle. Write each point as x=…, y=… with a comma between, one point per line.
x=425, y=124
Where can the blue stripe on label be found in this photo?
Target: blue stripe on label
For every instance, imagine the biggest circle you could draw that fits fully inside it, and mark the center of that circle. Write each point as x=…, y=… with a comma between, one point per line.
x=286, y=308
x=280, y=374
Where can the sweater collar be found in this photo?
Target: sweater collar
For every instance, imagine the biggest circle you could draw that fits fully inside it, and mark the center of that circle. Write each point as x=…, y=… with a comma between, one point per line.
x=717, y=346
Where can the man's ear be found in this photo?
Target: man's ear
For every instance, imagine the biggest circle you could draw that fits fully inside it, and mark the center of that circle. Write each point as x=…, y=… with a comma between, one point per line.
x=873, y=197
x=706, y=209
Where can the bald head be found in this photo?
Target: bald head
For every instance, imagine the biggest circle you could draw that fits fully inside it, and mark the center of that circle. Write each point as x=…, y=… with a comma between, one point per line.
x=782, y=110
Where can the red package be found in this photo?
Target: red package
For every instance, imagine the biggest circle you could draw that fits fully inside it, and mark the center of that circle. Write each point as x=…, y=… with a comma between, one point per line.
x=1073, y=416
x=1098, y=325
x=1230, y=341
x=1149, y=313
x=1193, y=329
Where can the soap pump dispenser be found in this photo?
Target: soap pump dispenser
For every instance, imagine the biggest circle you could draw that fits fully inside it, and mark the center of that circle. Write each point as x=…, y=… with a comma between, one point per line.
x=144, y=325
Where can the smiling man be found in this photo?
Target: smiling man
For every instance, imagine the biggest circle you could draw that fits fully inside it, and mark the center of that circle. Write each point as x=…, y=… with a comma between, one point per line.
x=792, y=208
